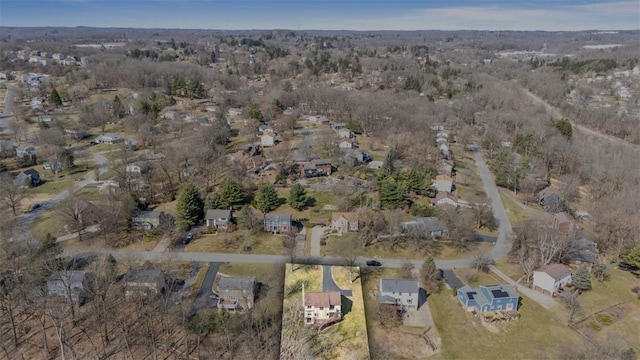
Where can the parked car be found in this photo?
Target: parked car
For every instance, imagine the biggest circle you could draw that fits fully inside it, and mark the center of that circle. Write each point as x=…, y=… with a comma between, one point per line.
x=35, y=207
x=628, y=267
x=187, y=238
x=374, y=263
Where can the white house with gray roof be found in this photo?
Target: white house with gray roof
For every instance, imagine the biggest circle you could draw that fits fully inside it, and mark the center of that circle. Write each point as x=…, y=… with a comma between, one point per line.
x=399, y=292
x=277, y=223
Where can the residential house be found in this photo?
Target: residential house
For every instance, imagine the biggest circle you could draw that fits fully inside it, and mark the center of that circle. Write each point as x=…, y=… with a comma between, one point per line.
x=582, y=252
x=444, y=147
x=74, y=286
x=314, y=168
x=343, y=222
x=29, y=177
x=441, y=140
x=218, y=218
x=22, y=151
x=291, y=112
x=77, y=134
x=445, y=167
x=267, y=140
x=52, y=165
x=108, y=139
x=399, y=292
x=146, y=283
x=549, y=198
x=37, y=104
x=318, y=119
x=148, y=220
x=277, y=223
x=583, y=215
x=6, y=149
x=346, y=143
x=235, y=112
x=235, y=293
x=131, y=144
x=345, y=133
x=322, y=308
x=264, y=129
x=442, y=134
x=563, y=222
x=489, y=298
x=443, y=183
x=47, y=119
x=355, y=157
x=444, y=199
x=109, y=187
x=136, y=169
x=427, y=226
x=550, y=278
x=375, y=165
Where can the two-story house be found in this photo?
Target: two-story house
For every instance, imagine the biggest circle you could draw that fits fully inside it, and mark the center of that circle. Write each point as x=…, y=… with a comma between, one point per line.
x=236, y=293
x=277, y=223
x=322, y=308
x=399, y=292
x=582, y=252
x=344, y=222
x=550, y=278
x=218, y=218
x=488, y=298
x=146, y=283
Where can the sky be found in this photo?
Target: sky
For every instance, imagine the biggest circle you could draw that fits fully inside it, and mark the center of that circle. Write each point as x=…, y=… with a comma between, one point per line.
x=550, y=15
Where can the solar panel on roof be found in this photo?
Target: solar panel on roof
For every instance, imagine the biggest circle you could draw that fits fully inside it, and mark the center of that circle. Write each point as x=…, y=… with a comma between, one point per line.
x=499, y=294
x=471, y=294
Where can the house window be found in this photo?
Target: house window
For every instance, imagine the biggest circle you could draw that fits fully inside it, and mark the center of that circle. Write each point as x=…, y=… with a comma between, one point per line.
x=308, y=306
x=275, y=227
x=321, y=308
x=409, y=301
x=509, y=306
x=331, y=307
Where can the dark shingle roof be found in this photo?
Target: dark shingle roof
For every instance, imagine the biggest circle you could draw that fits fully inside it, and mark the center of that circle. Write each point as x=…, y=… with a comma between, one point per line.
x=218, y=214
x=237, y=283
x=277, y=217
x=398, y=285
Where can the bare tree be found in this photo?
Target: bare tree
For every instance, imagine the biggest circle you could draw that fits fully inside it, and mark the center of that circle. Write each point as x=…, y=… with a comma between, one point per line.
x=11, y=196
x=527, y=261
x=572, y=304
x=549, y=244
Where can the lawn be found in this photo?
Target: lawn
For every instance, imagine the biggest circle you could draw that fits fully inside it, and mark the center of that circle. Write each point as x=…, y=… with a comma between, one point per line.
x=48, y=222
x=261, y=243
x=349, y=244
x=537, y=334
x=515, y=213
x=604, y=294
x=315, y=212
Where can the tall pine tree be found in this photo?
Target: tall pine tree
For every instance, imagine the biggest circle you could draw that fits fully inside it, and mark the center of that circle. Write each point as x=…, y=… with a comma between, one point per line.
x=231, y=194
x=266, y=198
x=392, y=195
x=190, y=207
x=430, y=275
x=582, y=278
x=297, y=197
x=55, y=98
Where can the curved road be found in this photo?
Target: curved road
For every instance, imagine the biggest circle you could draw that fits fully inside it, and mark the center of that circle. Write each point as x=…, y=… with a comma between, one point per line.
x=23, y=225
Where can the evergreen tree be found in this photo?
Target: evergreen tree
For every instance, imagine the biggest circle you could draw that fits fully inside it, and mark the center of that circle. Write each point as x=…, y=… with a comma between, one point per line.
x=564, y=127
x=392, y=195
x=266, y=198
x=55, y=98
x=231, y=194
x=254, y=112
x=430, y=275
x=387, y=168
x=582, y=278
x=190, y=207
x=118, y=108
x=633, y=256
x=215, y=201
x=297, y=197
x=248, y=219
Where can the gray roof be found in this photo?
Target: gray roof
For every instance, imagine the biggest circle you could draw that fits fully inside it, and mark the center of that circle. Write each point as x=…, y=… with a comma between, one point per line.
x=218, y=214
x=398, y=285
x=68, y=277
x=237, y=283
x=148, y=215
x=145, y=275
x=426, y=224
x=277, y=217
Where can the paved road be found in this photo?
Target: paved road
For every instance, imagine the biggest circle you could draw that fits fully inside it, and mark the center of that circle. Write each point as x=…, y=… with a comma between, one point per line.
x=329, y=285
x=8, y=110
x=543, y=300
x=316, y=236
x=503, y=243
x=23, y=225
x=203, y=297
x=586, y=130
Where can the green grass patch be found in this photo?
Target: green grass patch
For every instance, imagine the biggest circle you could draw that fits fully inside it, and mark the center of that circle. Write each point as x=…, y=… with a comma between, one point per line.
x=613, y=291
x=52, y=187
x=48, y=222
x=515, y=213
x=235, y=243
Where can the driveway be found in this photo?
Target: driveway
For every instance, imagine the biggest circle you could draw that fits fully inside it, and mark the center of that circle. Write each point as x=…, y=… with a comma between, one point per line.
x=451, y=279
x=203, y=297
x=316, y=236
x=329, y=285
x=420, y=317
x=543, y=300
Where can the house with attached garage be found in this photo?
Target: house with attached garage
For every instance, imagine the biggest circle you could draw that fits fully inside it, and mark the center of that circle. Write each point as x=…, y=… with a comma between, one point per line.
x=29, y=177
x=550, y=278
x=236, y=293
x=277, y=223
x=489, y=298
x=218, y=218
x=399, y=292
x=344, y=222
x=322, y=308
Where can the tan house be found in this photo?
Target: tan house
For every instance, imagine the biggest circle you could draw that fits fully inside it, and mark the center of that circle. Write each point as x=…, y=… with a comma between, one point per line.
x=321, y=308
x=344, y=222
x=236, y=293
x=550, y=278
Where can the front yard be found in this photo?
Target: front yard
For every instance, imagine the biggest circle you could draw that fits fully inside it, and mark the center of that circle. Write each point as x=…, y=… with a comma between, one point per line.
x=241, y=241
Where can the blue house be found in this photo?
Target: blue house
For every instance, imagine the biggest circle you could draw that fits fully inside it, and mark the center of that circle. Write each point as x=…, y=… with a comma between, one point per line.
x=489, y=298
